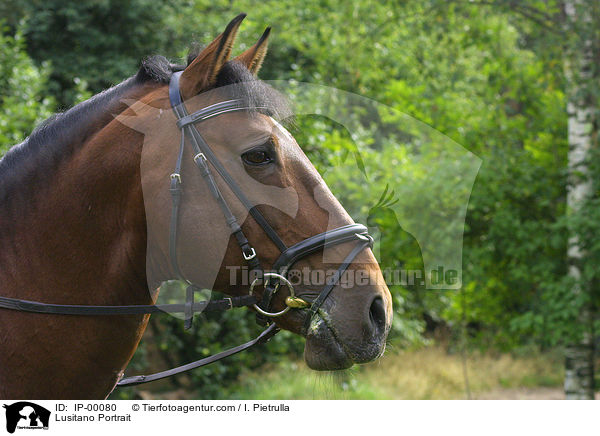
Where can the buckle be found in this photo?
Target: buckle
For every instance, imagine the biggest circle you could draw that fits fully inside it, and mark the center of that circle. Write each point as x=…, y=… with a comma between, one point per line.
x=250, y=256
x=176, y=176
x=199, y=156
x=365, y=237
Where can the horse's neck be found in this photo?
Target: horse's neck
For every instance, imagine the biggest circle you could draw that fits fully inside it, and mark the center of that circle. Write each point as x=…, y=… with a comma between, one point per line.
x=81, y=237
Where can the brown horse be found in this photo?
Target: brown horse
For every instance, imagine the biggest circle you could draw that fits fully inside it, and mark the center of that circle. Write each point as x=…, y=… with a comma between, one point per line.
x=84, y=219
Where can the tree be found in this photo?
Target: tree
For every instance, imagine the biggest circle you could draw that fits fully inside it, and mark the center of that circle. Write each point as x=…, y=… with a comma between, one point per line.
x=23, y=98
x=582, y=72
x=571, y=26
x=101, y=42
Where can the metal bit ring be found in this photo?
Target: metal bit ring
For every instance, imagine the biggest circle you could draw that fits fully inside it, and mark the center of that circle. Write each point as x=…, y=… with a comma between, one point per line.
x=281, y=279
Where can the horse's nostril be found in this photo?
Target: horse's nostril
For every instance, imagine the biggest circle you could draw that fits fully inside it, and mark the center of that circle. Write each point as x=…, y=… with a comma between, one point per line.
x=377, y=315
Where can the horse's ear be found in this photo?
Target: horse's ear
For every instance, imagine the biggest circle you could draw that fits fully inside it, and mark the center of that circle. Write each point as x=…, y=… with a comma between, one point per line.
x=255, y=55
x=202, y=72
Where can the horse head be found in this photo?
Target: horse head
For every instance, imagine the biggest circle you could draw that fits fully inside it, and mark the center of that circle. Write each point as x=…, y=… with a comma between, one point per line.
x=269, y=166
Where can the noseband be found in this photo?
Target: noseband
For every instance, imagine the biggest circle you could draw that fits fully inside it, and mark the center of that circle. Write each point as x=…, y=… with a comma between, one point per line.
x=272, y=281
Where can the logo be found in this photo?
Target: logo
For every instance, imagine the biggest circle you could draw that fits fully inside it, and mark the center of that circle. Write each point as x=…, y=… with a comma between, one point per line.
x=26, y=415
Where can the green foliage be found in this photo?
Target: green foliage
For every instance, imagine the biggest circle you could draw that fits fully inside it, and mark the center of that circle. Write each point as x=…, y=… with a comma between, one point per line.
x=467, y=72
x=101, y=42
x=23, y=90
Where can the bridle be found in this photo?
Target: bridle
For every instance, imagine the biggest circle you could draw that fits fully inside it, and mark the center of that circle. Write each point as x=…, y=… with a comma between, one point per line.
x=203, y=155
x=271, y=281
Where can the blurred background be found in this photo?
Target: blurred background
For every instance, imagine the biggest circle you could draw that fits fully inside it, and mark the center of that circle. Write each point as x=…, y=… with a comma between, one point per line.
x=515, y=83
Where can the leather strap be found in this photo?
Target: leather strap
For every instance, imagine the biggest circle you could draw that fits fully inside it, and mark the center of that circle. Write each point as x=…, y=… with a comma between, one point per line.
x=139, y=379
x=175, y=190
x=208, y=112
x=314, y=308
x=305, y=248
x=74, y=309
x=318, y=242
x=186, y=123
x=248, y=252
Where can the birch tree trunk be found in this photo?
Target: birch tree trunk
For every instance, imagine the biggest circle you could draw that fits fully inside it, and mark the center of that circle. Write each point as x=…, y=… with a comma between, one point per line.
x=581, y=108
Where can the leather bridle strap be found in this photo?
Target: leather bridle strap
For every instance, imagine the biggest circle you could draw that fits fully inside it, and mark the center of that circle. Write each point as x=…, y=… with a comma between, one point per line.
x=139, y=379
x=175, y=190
x=203, y=154
x=311, y=245
x=74, y=309
x=200, y=160
x=334, y=280
x=291, y=255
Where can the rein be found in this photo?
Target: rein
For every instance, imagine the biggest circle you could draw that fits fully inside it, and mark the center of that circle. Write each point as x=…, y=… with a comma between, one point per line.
x=271, y=281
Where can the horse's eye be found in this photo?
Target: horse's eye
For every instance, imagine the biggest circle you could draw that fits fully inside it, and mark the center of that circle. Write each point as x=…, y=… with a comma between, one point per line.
x=257, y=157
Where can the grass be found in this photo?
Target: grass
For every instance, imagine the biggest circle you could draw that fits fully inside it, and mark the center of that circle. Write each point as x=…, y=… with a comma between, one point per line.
x=426, y=373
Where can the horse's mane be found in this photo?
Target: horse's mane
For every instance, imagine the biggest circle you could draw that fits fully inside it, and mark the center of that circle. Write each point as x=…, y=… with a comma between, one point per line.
x=32, y=162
